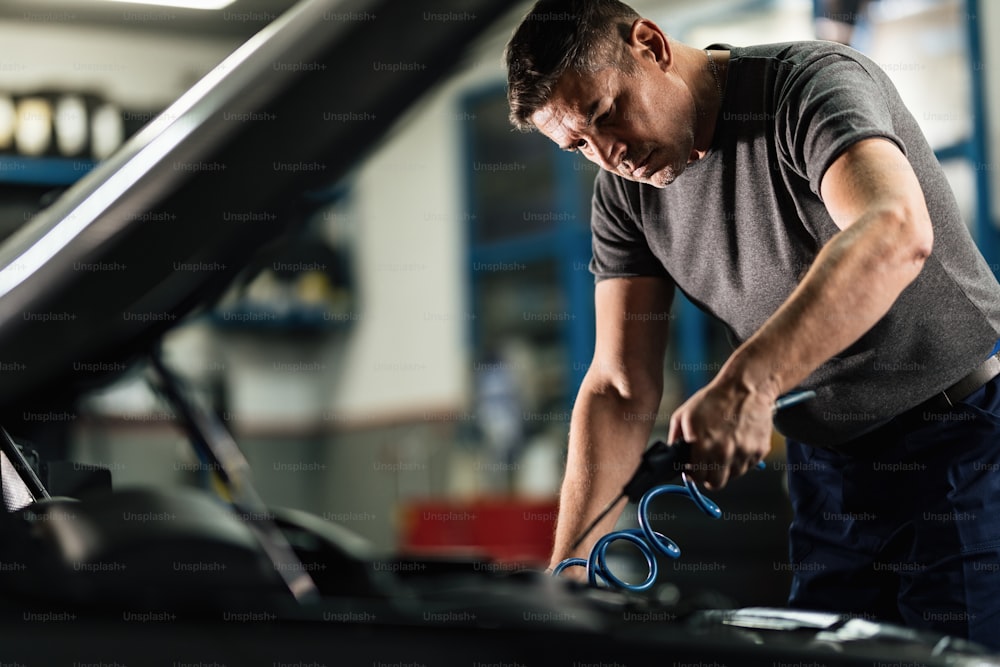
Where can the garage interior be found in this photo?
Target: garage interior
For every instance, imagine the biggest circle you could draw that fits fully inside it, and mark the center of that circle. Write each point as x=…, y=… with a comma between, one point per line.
x=405, y=364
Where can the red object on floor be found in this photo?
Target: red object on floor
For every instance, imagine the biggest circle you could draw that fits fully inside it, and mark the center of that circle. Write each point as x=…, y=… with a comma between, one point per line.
x=507, y=530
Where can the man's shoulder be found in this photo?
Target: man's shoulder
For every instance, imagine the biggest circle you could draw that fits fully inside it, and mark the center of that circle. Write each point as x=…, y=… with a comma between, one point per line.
x=794, y=53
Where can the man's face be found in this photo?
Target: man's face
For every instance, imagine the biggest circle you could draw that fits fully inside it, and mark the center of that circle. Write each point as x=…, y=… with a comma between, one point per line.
x=639, y=126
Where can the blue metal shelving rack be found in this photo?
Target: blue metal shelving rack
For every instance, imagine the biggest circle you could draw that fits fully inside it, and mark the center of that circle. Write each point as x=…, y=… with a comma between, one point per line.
x=44, y=171
x=566, y=243
x=976, y=148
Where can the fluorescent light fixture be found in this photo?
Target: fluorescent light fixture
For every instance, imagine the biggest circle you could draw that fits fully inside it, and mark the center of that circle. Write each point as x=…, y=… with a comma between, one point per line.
x=185, y=4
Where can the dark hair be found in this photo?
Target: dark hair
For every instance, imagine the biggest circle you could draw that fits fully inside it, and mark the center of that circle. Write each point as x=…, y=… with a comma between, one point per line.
x=560, y=35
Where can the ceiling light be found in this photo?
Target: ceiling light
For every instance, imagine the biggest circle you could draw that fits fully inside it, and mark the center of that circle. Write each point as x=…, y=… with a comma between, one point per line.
x=185, y=4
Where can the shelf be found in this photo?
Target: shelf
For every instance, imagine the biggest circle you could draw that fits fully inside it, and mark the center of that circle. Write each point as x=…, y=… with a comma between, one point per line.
x=259, y=317
x=521, y=249
x=55, y=171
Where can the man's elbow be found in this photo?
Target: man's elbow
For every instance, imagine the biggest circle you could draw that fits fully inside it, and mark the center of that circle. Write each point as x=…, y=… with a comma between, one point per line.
x=922, y=237
x=914, y=238
x=631, y=386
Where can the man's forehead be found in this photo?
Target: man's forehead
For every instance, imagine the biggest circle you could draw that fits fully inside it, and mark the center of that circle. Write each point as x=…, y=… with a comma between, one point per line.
x=572, y=104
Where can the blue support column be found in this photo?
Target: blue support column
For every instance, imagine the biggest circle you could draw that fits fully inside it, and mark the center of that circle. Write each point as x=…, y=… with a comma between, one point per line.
x=691, y=335
x=987, y=234
x=574, y=258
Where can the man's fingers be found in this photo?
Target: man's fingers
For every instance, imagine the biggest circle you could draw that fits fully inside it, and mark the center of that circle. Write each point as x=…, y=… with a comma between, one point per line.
x=728, y=466
x=717, y=466
x=740, y=468
x=680, y=425
x=717, y=479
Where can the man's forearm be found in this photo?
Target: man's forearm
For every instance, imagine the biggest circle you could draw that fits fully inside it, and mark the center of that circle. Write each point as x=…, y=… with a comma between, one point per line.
x=608, y=433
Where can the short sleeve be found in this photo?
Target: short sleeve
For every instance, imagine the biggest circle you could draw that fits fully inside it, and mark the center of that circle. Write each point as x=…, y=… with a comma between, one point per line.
x=620, y=249
x=827, y=105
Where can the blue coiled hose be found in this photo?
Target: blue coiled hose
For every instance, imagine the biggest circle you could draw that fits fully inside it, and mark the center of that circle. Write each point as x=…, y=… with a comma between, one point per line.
x=645, y=538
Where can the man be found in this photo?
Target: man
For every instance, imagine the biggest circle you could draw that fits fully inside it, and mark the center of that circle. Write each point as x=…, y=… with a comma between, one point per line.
x=787, y=191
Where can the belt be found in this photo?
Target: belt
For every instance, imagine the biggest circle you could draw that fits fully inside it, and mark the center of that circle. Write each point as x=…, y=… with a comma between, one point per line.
x=962, y=389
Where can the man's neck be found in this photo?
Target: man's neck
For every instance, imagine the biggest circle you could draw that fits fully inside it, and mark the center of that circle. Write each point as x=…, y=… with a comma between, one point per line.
x=708, y=71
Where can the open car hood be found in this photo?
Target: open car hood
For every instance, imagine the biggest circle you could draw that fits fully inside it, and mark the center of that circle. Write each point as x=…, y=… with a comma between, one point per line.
x=165, y=224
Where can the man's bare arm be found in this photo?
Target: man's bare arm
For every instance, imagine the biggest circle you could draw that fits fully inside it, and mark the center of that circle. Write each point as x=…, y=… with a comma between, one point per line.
x=886, y=234
x=616, y=406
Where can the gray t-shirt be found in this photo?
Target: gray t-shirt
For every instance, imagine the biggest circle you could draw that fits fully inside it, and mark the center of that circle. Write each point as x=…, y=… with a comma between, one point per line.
x=738, y=229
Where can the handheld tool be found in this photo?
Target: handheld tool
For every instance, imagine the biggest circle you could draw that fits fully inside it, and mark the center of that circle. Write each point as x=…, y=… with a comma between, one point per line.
x=662, y=462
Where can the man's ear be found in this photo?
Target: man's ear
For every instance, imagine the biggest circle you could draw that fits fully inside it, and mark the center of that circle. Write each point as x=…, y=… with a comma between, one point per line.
x=646, y=40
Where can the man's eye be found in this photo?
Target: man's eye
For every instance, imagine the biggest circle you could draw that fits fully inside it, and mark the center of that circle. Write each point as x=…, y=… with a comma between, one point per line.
x=580, y=145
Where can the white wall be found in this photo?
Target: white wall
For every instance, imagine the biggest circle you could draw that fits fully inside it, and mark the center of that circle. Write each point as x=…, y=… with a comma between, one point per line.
x=409, y=348
x=784, y=22
x=140, y=70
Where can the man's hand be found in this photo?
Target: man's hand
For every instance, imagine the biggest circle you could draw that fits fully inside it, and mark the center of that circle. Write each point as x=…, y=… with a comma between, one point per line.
x=729, y=428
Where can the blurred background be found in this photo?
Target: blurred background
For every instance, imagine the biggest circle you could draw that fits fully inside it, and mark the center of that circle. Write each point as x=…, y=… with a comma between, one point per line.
x=407, y=365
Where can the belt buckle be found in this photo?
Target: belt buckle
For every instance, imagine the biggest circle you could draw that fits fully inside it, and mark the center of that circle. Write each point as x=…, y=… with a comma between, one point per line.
x=947, y=399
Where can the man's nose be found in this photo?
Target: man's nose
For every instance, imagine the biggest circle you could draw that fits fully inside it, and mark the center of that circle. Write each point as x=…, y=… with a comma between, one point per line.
x=608, y=151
